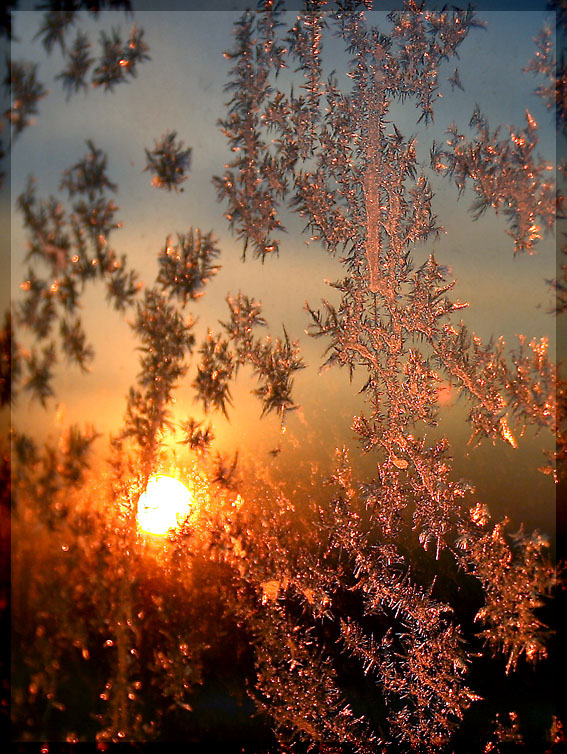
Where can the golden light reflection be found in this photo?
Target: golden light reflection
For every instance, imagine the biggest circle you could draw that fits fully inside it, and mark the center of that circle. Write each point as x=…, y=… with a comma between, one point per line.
x=164, y=505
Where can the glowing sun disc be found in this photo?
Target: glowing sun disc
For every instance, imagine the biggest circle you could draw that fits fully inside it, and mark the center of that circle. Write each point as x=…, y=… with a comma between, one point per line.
x=164, y=505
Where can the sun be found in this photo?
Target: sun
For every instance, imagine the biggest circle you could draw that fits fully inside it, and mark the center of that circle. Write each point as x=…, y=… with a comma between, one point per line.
x=164, y=505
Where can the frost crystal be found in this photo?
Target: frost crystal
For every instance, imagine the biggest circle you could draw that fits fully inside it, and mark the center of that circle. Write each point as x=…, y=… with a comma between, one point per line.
x=119, y=58
x=350, y=610
x=26, y=92
x=354, y=178
x=506, y=175
x=168, y=161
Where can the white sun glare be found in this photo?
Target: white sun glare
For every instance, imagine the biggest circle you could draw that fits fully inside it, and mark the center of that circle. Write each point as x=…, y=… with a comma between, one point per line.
x=164, y=505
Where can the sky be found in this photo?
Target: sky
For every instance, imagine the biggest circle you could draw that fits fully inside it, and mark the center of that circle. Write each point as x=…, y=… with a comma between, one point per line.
x=181, y=89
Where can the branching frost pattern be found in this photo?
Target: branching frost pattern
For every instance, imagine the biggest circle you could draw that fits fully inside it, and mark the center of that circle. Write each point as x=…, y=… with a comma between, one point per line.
x=334, y=590
x=355, y=180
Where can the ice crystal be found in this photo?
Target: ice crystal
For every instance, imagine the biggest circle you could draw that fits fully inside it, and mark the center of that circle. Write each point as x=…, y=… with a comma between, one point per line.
x=166, y=338
x=74, y=342
x=357, y=605
x=274, y=362
x=168, y=161
x=195, y=437
x=253, y=178
x=506, y=175
x=26, y=92
x=119, y=58
x=39, y=369
x=185, y=267
x=355, y=180
x=225, y=472
x=54, y=28
x=215, y=370
x=76, y=449
x=88, y=176
x=74, y=76
x=506, y=732
x=69, y=248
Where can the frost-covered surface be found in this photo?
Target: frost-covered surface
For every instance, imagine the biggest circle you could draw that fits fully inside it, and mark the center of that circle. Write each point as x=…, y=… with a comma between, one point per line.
x=364, y=614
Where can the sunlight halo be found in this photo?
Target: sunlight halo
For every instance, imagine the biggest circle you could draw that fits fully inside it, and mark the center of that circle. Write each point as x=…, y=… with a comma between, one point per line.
x=164, y=505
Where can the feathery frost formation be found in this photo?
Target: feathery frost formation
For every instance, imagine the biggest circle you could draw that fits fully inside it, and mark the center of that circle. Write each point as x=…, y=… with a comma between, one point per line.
x=337, y=159
x=355, y=612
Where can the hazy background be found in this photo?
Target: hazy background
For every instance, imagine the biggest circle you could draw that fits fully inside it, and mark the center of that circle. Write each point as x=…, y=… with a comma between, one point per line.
x=181, y=88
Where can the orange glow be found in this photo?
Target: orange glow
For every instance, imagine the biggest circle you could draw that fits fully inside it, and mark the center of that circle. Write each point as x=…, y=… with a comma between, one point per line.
x=164, y=505
x=445, y=394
